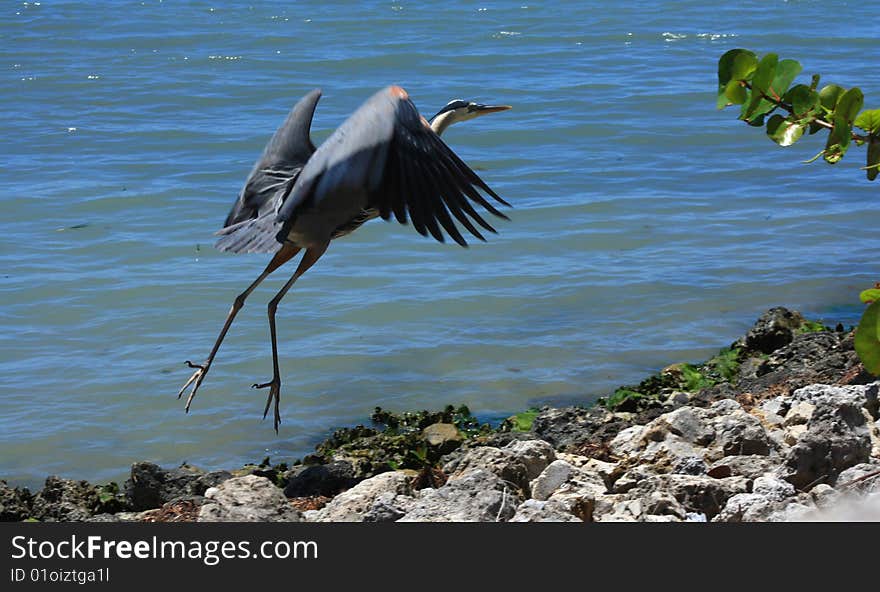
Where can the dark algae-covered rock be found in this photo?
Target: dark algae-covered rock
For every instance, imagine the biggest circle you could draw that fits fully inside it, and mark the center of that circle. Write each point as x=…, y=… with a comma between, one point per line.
x=774, y=329
x=65, y=500
x=150, y=486
x=410, y=440
x=319, y=480
x=15, y=503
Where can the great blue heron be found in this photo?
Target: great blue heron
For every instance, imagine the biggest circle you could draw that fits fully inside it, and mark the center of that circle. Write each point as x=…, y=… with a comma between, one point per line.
x=385, y=160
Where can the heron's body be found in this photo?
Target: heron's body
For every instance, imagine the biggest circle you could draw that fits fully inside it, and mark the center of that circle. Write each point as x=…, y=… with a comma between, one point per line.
x=385, y=160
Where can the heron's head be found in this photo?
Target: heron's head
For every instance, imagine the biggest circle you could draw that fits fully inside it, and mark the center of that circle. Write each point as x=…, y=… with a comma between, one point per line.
x=459, y=110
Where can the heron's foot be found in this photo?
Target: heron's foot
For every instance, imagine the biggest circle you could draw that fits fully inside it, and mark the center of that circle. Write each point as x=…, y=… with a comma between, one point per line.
x=274, y=387
x=196, y=380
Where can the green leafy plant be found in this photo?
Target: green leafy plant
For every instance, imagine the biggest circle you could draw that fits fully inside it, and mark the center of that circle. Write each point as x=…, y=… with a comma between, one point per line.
x=521, y=422
x=763, y=90
x=867, y=339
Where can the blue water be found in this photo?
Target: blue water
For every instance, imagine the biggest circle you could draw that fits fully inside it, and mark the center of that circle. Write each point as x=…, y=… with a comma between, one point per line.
x=648, y=227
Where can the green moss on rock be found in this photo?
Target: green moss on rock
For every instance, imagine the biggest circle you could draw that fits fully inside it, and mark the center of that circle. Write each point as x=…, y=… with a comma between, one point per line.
x=397, y=441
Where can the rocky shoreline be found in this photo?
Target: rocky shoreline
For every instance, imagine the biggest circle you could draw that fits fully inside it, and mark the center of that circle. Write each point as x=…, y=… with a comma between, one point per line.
x=781, y=425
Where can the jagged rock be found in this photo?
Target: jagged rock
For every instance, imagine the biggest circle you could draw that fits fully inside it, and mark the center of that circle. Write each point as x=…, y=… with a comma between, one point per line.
x=741, y=433
x=773, y=330
x=837, y=438
x=247, y=499
x=64, y=500
x=625, y=510
x=323, y=480
x=476, y=495
x=773, y=488
x=849, y=477
x=388, y=507
x=631, y=478
x=575, y=487
x=690, y=465
x=355, y=504
x=144, y=486
x=628, y=442
x=695, y=493
x=748, y=507
x=824, y=496
x=852, y=394
x=751, y=465
x=662, y=503
x=607, y=471
x=551, y=479
x=150, y=486
x=500, y=461
x=543, y=511
x=777, y=406
x=770, y=421
x=687, y=423
x=569, y=426
x=799, y=413
x=15, y=503
x=587, y=431
x=768, y=499
x=534, y=454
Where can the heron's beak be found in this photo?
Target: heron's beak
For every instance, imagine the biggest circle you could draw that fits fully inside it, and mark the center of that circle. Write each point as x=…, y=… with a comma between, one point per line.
x=484, y=109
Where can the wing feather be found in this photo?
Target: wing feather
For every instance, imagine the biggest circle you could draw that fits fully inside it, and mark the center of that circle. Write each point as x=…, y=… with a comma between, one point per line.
x=250, y=226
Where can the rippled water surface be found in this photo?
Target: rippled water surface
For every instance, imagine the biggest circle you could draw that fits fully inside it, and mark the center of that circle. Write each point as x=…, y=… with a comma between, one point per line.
x=648, y=227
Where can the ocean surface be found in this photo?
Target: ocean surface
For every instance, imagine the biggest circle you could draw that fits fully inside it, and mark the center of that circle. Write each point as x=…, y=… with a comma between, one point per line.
x=647, y=228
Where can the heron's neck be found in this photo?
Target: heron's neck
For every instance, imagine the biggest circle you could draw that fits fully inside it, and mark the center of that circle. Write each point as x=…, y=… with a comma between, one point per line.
x=442, y=121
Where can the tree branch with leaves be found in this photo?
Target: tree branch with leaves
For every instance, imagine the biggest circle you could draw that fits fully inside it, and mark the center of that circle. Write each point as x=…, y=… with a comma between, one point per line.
x=763, y=87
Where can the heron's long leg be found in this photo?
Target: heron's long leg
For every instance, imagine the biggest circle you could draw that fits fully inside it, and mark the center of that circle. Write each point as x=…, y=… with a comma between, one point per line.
x=284, y=254
x=309, y=258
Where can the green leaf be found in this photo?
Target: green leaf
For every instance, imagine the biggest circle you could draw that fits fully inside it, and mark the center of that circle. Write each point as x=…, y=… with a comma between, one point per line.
x=849, y=104
x=761, y=82
x=873, y=157
x=866, y=342
x=734, y=65
x=829, y=95
x=757, y=120
x=870, y=295
x=783, y=131
x=868, y=120
x=786, y=72
x=735, y=93
x=804, y=102
x=838, y=140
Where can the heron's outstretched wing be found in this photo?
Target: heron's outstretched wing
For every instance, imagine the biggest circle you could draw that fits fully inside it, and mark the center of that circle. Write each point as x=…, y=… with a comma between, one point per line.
x=269, y=181
x=388, y=152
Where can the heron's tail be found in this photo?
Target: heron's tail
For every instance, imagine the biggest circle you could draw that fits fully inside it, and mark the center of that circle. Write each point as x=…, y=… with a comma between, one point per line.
x=256, y=235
